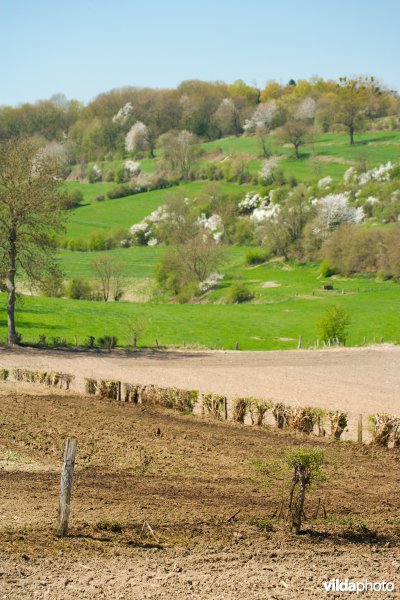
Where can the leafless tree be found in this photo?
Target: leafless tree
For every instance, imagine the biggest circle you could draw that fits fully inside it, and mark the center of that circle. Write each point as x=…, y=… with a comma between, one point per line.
x=110, y=272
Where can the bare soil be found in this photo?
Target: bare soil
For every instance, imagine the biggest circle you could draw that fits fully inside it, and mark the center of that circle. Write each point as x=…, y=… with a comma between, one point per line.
x=356, y=380
x=192, y=479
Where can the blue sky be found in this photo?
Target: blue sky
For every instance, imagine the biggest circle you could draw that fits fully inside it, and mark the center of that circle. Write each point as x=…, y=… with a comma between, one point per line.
x=84, y=47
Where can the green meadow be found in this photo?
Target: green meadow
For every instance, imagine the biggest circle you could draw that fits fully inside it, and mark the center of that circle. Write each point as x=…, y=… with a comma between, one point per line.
x=288, y=299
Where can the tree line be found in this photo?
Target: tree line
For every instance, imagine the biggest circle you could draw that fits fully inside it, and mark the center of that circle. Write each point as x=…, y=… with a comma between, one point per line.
x=132, y=119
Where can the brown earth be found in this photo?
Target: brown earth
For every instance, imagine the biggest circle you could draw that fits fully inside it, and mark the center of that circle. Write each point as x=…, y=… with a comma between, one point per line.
x=356, y=380
x=215, y=520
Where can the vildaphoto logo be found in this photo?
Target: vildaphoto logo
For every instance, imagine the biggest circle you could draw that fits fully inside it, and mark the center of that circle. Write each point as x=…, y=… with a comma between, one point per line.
x=358, y=587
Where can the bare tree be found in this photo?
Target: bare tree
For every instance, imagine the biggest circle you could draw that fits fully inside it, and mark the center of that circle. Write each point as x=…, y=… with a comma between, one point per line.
x=110, y=272
x=296, y=132
x=228, y=118
x=30, y=216
x=180, y=151
x=137, y=327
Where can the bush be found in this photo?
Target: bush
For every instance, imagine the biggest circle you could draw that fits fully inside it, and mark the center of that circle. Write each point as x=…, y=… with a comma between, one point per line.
x=100, y=198
x=256, y=256
x=109, y=525
x=334, y=324
x=72, y=199
x=78, y=289
x=325, y=270
x=239, y=293
x=121, y=191
x=95, y=174
x=52, y=285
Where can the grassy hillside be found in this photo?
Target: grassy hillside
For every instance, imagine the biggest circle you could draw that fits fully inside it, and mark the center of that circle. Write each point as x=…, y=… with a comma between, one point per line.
x=328, y=154
x=122, y=213
x=290, y=309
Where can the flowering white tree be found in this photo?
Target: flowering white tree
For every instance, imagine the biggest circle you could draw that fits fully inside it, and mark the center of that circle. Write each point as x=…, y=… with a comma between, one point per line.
x=333, y=211
x=122, y=115
x=381, y=173
x=131, y=168
x=251, y=201
x=137, y=138
x=305, y=109
x=262, y=122
x=325, y=182
x=268, y=166
x=214, y=225
x=266, y=213
x=262, y=118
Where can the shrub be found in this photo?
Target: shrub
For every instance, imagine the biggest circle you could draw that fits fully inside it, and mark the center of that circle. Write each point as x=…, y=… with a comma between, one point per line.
x=304, y=419
x=338, y=421
x=240, y=408
x=282, y=415
x=256, y=256
x=306, y=466
x=52, y=285
x=125, y=189
x=239, y=293
x=4, y=373
x=72, y=199
x=325, y=270
x=90, y=386
x=258, y=409
x=100, y=198
x=107, y=342
x=78, y=289
x=381, y=427
x=95, y=175
x=214, y=404
x=334, y=324
x=109, y=525
x=109, y=388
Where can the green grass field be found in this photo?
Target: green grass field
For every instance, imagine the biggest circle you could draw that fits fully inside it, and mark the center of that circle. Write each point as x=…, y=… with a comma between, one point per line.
x=290, y=309
x=122, y=213
x=375, y=147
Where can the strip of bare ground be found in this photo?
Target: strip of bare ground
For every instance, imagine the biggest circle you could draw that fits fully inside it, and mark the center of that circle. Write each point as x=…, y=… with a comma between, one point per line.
x=356, y=380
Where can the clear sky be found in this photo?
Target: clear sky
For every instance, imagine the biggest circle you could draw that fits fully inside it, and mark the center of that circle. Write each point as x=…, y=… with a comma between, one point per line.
x=84, y=47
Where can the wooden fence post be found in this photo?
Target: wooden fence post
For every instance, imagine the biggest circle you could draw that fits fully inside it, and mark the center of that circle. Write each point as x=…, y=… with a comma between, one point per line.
x=67, y=476
x=226, y=409
x=300, y=343
x=360, y=430
x=237, y=346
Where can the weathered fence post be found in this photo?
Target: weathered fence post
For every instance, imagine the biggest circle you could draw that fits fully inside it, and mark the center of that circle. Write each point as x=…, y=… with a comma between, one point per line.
x=237, y=346
x=364, y=340
x=360, y=430
x=226, y=409
x=300, y=343
x=67, y=475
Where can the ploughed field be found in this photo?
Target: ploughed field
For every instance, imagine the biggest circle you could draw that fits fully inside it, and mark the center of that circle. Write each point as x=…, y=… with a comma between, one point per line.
x=193, y=481
x=355, y=380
